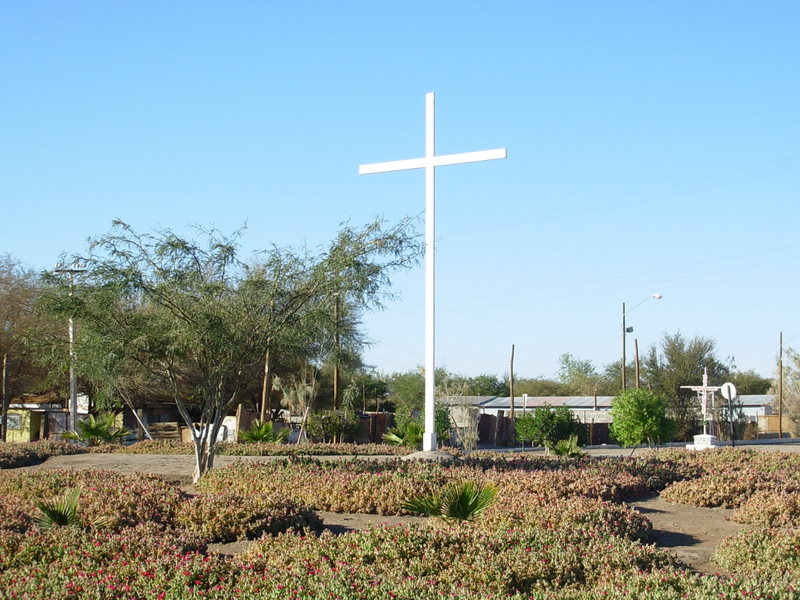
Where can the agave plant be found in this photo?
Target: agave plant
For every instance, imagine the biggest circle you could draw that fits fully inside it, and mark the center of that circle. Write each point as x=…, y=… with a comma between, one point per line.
x=408, y=433
x=568, y=448
x=94, y=431
x=263, y=432
x=458, y=501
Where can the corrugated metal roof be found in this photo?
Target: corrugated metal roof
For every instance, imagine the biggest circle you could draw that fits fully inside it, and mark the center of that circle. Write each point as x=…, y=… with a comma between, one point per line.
x=574, y=402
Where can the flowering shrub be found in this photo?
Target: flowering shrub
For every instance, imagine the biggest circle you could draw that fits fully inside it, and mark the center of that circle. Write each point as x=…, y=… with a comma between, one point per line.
x=428, y=562
x=14, y=455
x=120, y=500
x=229, y=517
x=14, y=514
x=729, y=489
x=761, y=551
x=770, y=509
x=599, y=517
x=174, y=447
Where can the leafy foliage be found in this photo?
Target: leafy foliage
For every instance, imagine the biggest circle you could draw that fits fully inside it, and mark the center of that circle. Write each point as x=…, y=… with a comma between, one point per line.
x=94, y=431
x=61, y=512
x=458, y=501
x=334, y=426
x=640, y=416
x=545, y=426
x=409, y=433
x=265, y=432
x=568, y=448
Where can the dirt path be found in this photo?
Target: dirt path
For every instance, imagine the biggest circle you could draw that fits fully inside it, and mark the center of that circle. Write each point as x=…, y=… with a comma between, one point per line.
x=691, y=533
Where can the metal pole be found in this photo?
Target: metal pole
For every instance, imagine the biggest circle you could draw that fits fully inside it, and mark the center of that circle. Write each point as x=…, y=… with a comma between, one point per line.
x=73, y=375
x=780, y=387
x=624, y=385
x=429, y=438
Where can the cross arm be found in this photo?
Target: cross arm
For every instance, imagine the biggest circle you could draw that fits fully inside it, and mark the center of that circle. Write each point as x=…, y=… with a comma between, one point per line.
x=435, y=161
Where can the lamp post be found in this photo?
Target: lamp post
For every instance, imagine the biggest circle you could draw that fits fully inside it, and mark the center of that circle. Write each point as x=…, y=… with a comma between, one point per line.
x=73, y=376
x=626, y=330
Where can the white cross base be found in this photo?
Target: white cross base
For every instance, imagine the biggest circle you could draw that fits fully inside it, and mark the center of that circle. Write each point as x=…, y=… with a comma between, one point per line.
x=703, y=442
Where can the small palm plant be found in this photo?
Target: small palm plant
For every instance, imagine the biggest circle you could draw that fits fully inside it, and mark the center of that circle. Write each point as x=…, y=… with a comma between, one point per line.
x=94, y=431
x=568, y=448
x=458, y=501
x=63, y=512
x=263, y=432
x=408, y=433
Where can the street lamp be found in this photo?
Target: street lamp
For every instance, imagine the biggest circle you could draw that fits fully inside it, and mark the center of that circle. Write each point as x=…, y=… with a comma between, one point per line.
x=627, y=330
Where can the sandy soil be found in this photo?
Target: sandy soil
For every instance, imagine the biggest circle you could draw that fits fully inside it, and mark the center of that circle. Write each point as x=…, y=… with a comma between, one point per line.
x=689, y=532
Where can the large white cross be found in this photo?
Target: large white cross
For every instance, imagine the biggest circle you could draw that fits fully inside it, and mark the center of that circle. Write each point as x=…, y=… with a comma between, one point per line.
x=429, y=162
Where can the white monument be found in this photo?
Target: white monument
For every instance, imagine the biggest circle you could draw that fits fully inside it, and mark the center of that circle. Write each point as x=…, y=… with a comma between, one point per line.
x=429, y=162
x=705, y=393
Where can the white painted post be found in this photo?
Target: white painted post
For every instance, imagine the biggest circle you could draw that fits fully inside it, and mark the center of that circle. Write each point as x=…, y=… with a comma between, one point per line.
x=429, y=163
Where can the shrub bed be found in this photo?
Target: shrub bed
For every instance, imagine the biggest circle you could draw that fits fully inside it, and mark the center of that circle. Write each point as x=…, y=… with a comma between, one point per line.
x=728, y=490
x=770, y=509
x=122, y=499
x=227, y=517
x=15, y=455
x=761, y=551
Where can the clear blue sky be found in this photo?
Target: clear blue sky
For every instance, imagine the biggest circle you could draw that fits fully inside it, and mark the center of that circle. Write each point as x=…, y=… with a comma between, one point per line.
x=653, y=147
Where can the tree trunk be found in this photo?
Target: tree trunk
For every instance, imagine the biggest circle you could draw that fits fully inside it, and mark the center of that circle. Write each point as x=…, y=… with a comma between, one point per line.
x=204, y=458
x=4, y=422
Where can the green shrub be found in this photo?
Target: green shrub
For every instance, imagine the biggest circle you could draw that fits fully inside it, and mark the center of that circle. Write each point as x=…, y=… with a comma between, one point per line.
x=545, y=426
x=639, y=416
x=458, y=501
x=408, y=433
x=334, y=426
x=94, y=431
x=263, y=433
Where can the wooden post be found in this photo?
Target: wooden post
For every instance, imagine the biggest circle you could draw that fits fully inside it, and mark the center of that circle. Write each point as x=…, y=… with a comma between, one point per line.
x=4, y=423
x=511, y=383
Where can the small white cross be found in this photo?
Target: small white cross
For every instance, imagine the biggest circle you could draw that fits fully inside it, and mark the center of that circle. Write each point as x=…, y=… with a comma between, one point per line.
x=705, y=393
x=429, y=162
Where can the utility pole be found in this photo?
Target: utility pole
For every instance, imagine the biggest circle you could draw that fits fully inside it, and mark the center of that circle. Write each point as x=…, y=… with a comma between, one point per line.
x=73, y=375
x=624, y=331
x=511, y=382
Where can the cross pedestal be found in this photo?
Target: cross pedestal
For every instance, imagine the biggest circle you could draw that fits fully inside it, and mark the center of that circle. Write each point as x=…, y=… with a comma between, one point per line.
x=429, y=162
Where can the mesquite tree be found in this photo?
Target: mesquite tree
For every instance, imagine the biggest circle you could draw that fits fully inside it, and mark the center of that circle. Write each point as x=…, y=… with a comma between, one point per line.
x=196, y=317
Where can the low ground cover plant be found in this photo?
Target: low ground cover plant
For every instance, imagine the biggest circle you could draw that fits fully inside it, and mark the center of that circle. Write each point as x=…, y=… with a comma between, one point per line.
x=770, y=509
x=227, y=517
x=120, y=500
x=15, y=455
x=762, y=551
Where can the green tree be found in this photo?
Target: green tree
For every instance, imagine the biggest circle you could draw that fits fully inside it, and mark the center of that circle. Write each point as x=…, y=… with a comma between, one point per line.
x=676, y=362
x=407, y=392
x=196, y=317
x=544, y=426
x=791, y=386
x=640, y=416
